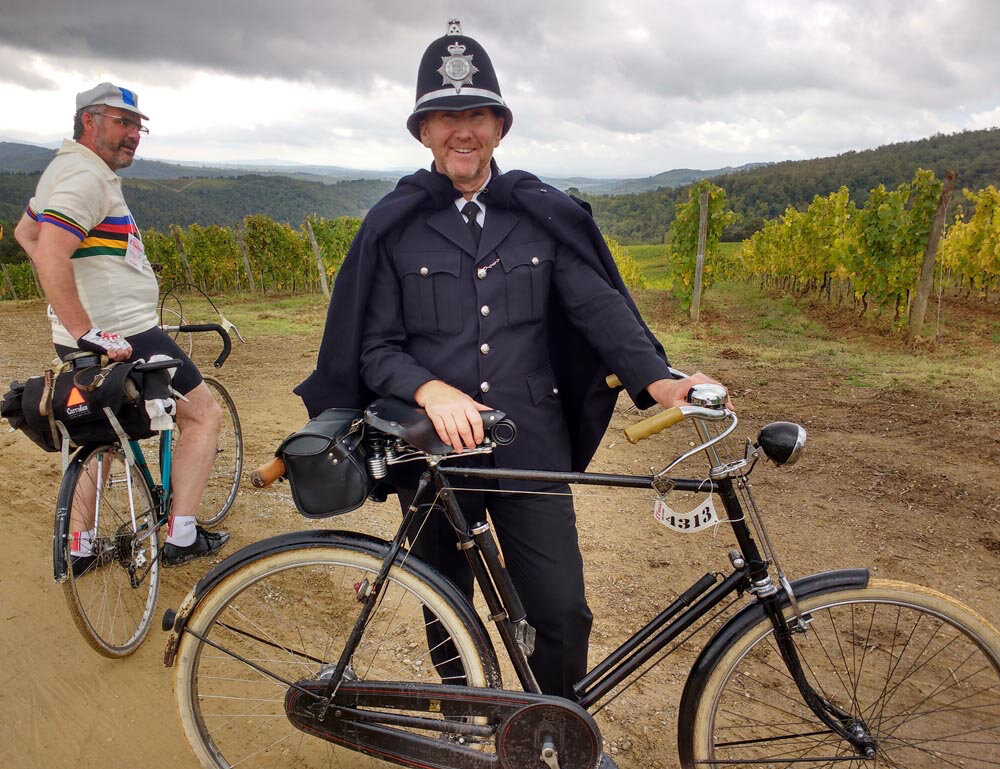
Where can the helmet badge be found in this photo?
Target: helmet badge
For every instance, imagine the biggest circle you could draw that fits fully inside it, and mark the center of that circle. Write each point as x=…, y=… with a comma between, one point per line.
x=457, y=69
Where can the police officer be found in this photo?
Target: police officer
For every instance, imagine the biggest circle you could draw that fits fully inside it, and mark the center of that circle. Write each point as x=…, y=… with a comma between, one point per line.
x=467, y=289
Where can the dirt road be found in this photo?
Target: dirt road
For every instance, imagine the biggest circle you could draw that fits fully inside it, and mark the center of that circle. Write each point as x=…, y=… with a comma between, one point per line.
x=903, y=480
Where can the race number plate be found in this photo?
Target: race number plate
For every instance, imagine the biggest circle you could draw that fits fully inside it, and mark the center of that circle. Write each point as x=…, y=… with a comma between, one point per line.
x=699, y=519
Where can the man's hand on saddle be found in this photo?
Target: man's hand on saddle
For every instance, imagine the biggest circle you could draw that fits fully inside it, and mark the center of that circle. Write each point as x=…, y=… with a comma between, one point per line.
x=454, y=414
x=673, y=392
x=105, y=343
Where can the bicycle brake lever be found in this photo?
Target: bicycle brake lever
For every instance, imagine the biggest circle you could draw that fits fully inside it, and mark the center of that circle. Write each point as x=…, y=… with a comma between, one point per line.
x=228, y=324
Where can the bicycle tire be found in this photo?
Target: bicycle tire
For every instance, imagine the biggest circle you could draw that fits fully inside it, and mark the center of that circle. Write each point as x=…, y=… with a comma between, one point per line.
x=232, y=714
x=227, y=467
x=921, y=669
x=113, y=614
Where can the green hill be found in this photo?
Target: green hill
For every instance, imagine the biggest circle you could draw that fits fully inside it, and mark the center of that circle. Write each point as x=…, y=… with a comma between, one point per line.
x=160, y=203
x=765, y=192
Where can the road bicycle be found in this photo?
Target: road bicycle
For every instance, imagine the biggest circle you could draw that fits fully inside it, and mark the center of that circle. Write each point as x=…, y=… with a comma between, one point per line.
x=112, y=595
x=334, y=648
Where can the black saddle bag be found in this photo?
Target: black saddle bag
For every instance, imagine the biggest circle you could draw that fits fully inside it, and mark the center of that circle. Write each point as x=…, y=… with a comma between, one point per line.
x=75, y=394
x=326, y=464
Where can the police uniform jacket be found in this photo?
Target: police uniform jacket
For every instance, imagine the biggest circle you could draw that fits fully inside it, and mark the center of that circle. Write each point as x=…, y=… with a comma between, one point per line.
x=529, y=322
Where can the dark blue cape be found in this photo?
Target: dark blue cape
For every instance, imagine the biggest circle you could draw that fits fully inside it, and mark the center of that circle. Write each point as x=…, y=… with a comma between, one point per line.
x=587, y=400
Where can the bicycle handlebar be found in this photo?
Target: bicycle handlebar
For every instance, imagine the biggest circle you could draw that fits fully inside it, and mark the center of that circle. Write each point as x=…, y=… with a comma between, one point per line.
x=227, y=343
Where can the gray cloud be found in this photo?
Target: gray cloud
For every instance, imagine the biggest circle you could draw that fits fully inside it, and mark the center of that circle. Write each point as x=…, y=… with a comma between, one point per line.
x=780, y=78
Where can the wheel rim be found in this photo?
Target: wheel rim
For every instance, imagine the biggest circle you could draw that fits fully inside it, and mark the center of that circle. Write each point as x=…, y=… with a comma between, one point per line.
x=925, y=686
x=114, y=599
x=227, y=467
x=286, y=622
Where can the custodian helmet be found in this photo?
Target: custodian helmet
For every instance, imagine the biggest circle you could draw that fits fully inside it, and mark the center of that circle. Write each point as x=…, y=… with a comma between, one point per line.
x=456, y=74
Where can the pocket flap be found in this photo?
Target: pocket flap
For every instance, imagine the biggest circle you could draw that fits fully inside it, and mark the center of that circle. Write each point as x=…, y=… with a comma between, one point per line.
x=532, y=254
x=542, y=384
x=427, y=263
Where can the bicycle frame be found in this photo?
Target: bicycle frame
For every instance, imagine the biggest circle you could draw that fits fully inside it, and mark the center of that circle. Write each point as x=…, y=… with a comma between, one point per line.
x=750, y=574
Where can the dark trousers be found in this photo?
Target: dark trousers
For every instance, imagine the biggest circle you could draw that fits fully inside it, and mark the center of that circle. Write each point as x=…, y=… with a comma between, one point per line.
x=537, y=535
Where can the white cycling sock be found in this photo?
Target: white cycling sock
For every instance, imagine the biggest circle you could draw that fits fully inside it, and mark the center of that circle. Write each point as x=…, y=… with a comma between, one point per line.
x=83, y=542
x=182, y=530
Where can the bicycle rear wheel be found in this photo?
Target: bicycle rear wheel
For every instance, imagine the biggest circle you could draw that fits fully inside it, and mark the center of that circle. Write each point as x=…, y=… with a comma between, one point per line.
x=227, y=468
x=290, y=613
x=112, y=595
x=919, y=668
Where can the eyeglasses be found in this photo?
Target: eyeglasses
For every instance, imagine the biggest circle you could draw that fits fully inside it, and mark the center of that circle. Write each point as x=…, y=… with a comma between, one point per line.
x=126, y=123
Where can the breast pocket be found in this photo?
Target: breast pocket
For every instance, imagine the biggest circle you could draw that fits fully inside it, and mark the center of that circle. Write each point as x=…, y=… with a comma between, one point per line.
x=528, y=272
x=431, y=293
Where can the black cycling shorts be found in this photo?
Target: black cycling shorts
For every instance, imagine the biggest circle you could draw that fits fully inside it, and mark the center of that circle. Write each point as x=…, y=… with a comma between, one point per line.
x=156, y=341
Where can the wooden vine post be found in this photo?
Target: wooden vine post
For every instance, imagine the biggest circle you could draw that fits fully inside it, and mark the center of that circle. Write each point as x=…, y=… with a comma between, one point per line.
x=6, y=277
x=919, y=308
x=246, y=261
x=319, y=260
x=699, y=267
x=180, y=248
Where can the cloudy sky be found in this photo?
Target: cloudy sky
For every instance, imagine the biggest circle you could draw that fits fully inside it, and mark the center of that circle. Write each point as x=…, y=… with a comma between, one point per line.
x=596, y=87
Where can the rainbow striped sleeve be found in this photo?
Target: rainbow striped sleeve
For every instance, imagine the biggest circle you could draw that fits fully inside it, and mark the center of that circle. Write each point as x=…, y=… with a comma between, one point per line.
x=61, y=220
x=110, y=238
x=30, y=212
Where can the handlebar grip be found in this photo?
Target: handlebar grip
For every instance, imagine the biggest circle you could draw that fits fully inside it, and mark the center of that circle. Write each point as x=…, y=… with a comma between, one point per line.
x=268, y=473
x=227, y=343
x=653, y=424
x=158, y=365
x=613, y=382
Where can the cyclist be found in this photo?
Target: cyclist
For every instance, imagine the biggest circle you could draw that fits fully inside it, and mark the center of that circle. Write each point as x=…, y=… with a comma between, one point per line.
x=485, y=290
x=88, y=252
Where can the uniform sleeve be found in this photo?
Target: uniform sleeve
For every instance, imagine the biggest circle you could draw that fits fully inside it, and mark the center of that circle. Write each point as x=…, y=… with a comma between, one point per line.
x=601, y=314
x=76, y=203
x=386, y=369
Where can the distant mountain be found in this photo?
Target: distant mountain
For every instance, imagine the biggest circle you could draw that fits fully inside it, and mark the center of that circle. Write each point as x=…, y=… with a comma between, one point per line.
x=29, y=158
x=671, y=179
x=16, y=157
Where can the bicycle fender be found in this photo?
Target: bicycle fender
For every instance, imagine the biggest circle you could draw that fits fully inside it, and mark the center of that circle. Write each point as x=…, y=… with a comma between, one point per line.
x=741, y=622
x=174, y=622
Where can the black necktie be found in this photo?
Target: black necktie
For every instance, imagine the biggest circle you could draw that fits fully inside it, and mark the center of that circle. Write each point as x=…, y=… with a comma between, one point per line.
x=471, y=211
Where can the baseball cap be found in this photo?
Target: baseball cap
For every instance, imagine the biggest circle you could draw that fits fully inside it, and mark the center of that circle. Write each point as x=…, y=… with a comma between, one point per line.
x=112, y=96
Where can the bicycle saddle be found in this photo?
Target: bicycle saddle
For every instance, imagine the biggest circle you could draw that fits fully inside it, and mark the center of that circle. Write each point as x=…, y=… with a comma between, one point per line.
x=403, y=420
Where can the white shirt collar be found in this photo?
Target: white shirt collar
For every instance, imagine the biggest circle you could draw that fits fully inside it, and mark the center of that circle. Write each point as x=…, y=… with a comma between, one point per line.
x=461, y=201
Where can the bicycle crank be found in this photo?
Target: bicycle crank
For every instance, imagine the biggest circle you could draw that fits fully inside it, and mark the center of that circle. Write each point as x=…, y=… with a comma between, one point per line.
x=386, y=718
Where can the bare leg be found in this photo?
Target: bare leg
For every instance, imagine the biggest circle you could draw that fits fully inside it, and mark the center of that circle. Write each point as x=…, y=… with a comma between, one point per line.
x=198, y=419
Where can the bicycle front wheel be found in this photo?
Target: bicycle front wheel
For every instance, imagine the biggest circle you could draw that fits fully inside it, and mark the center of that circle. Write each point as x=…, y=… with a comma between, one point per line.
x=227, y=467
x=921, y=670
x=289, y=614
x=112, y=592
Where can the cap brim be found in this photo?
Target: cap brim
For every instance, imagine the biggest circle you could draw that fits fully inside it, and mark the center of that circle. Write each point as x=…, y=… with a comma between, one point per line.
x=458, y=103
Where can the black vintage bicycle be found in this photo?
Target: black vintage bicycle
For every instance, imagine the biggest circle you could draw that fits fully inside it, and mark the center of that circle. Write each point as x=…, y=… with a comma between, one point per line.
x=337, y=649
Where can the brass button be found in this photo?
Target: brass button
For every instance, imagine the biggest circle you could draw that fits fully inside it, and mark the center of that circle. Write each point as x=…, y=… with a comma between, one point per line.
x=484, y=310
x=485, y=387
x=424, y=271
x=480, y=273
x=485, y=348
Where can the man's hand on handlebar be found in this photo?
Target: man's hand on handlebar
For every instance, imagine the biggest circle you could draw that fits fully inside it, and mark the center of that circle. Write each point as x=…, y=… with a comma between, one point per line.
x=105, y=343
x=454, y=414
x=673, y=392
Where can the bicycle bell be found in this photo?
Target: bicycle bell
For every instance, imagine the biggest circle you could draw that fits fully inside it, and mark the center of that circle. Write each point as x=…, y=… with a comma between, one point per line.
x=710, y=396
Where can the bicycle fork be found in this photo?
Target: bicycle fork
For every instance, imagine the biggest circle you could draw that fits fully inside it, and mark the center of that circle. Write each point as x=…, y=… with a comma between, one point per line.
x=851, y=728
